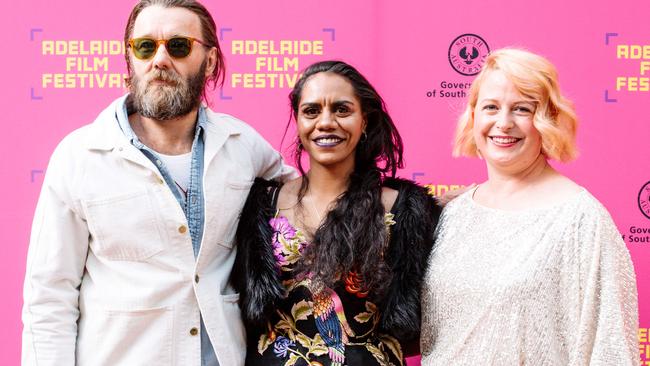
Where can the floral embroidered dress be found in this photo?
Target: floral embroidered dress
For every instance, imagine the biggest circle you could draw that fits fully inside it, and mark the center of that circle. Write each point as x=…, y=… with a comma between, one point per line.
x=316, y=325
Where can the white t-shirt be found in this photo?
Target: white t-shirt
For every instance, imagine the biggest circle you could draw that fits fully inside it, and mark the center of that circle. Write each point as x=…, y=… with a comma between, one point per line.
x=179, y=167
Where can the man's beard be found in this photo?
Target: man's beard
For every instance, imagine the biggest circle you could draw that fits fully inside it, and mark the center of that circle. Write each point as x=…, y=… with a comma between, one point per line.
x=167, y=101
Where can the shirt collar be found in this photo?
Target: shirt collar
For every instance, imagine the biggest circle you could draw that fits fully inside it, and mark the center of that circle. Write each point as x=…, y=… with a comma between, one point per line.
x=122, y=115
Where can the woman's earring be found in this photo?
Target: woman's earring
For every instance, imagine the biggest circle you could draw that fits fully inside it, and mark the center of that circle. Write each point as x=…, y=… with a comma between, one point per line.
x=364, y=136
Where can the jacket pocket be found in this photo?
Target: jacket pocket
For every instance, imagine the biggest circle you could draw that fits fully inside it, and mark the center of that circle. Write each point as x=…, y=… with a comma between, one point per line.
x=126, y=337
x=124, y=228
x=231, y=201
x=237, y=347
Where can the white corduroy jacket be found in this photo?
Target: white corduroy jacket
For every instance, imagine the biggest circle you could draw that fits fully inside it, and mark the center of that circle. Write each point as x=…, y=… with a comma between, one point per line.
x=111, y=276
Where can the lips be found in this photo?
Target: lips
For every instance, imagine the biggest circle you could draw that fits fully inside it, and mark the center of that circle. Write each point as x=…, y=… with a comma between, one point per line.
x=162, y=82
x=328, y=140
x=504, y=140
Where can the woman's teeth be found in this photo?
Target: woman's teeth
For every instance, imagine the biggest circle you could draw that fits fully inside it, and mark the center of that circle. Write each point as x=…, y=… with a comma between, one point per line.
x=504, y=140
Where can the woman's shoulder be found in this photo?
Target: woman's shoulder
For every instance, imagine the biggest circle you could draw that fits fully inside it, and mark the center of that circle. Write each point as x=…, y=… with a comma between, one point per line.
x=409, y=197
x=398, y=187
x=287, y=194
x=262, y=196
x=388, y=198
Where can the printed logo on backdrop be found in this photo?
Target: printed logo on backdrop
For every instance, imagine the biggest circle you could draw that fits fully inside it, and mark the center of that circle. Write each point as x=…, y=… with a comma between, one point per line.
x=640, y=234
x=466, y=56
x=644, y=346
x=80, y=64
x=272, y=63
x=632, y=71
x=644, y=200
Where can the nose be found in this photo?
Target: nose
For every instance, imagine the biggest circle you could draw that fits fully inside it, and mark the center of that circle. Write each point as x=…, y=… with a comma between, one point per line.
x=504, y=120
x=327, y=121
x=161, y=59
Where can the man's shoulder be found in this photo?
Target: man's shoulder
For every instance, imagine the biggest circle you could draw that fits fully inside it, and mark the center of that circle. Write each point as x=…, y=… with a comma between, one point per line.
x=97, y=132
x=235, y=126
x=226, y=120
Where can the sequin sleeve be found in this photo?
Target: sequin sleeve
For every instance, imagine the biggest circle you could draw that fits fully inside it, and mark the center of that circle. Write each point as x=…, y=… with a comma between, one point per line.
x=609, y=315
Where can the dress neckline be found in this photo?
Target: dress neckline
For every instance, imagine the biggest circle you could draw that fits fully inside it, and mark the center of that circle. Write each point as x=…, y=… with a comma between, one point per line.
x=469, y=196
x=276, y=194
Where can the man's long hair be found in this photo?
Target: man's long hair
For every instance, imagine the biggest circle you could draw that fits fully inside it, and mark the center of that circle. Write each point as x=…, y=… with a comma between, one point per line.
x=208, y=34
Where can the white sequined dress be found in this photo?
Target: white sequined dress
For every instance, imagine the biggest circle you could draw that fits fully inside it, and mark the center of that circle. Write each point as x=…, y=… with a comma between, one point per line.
x=550, y=286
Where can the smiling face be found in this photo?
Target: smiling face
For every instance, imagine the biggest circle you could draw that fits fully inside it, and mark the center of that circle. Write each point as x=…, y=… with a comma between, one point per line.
x=503, y=126
x=330, y=120
x=164, y=87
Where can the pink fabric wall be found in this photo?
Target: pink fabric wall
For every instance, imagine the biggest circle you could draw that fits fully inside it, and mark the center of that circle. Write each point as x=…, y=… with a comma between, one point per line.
x=402, y=47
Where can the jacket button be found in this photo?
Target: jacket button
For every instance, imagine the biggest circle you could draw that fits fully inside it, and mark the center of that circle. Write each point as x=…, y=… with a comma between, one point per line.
x=194, y=331
x=182, y=229
x=196, y=278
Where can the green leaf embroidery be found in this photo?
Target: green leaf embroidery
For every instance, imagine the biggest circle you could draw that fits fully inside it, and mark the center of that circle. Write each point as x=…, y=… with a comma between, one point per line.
x=318, y=347
x=263, y=343
x=303, y=340
x=293, y=358
x=389, y=219
x=371, y=307
x=301, y=310
x=363, y=317
x=392, y=344
x=378, y=354
x=285, y=324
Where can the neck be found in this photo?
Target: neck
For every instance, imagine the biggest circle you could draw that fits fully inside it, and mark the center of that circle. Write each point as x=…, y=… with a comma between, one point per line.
x=325, y=183
x=503, y=183
x=169, y=137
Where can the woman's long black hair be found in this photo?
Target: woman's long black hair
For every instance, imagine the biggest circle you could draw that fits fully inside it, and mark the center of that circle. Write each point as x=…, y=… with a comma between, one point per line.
x=353, y=235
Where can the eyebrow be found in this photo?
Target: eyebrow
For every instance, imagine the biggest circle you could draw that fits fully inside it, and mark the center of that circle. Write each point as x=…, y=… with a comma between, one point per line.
x=492, y=100
x=335, y=104
x=149, y=35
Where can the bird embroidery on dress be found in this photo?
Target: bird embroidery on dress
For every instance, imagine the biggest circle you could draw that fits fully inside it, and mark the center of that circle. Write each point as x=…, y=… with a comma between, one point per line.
x=332, y=324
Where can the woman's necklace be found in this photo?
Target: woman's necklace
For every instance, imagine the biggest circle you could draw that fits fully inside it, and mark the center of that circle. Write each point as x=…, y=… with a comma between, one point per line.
x=315, y=210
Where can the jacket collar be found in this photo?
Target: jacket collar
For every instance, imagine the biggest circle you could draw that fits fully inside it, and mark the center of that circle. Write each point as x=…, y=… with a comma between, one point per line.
x=108, y=135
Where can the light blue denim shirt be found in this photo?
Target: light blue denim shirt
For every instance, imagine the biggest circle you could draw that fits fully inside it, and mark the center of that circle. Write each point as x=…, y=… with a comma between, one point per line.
x=192, y=204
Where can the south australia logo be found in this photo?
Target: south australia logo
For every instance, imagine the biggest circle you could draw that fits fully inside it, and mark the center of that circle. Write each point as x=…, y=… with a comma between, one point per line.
x=467, y=54
x=644, y=200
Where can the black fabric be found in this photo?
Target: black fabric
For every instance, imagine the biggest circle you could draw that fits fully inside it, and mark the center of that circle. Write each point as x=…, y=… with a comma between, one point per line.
x=256, y=278
x=254, y=274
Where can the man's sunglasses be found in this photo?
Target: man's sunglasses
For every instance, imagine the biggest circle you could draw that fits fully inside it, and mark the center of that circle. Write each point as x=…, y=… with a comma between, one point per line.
x=177, y=47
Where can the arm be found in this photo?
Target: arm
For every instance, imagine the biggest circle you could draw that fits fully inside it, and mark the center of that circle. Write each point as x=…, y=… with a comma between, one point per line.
x=269, y=163
x=55, y=265
x=607, y=332
x=416, y=216
x=255, y=275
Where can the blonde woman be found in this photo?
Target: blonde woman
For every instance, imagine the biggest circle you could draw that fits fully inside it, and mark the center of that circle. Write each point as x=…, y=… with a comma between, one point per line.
x=528, y=268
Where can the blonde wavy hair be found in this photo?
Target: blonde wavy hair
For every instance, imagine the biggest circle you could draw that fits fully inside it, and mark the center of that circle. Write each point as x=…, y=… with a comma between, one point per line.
x=536, y=79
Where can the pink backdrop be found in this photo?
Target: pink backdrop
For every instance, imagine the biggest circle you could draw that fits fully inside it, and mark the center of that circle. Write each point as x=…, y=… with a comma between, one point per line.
x=403, y=50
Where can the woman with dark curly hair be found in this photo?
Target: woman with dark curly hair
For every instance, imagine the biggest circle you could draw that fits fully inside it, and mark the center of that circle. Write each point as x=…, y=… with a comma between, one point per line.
x=330, y=265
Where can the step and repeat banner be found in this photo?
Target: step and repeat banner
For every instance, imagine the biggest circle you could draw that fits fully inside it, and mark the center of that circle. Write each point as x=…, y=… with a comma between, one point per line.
x=68, y=64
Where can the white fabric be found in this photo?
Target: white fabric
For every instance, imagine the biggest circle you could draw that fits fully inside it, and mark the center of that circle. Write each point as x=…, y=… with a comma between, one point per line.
x=110, y=277
x=179, y=168
x=550, y=286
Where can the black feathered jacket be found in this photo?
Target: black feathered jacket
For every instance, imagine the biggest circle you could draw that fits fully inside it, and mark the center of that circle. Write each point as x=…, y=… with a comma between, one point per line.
x=256, y=278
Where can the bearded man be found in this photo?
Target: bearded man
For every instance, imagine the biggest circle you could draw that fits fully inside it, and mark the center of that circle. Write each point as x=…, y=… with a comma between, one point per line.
x=132, y=241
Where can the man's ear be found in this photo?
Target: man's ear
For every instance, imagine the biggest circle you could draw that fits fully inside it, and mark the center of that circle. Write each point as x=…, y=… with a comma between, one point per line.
x=211, y=58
